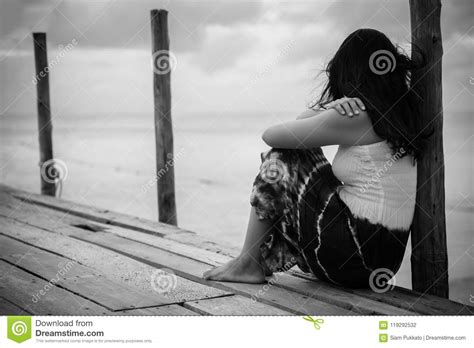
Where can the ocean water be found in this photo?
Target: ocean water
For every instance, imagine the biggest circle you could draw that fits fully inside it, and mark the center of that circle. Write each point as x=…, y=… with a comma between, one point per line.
x=110, y=164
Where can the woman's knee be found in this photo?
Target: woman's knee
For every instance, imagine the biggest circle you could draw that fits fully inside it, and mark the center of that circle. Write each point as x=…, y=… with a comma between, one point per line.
x=275, y=189
x=269, y=193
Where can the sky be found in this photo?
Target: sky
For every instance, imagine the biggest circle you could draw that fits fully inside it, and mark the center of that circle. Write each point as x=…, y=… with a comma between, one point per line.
x=231, y=56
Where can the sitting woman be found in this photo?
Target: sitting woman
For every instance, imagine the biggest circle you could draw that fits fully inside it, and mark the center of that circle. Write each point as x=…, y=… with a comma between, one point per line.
x=344, y=222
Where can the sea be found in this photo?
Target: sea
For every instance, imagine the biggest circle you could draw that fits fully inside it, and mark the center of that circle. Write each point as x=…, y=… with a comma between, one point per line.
x=109, y=162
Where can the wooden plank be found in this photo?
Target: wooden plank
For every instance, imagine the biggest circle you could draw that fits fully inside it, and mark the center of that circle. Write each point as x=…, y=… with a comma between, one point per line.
x=30, y=213
x=287, y=296
x=368, y=307
x=117, y=219
x=413, y=302
x=191, y=269
x=425, y=304
x=299, y=303
x=233, y=305
x=21, y=288
x=73, y=276
x=421, y=303
x=438, y=306
x=338, y=296
x=8, y=308
x=168, y=310
x=117, y=267
x=91, y=213
x=391, y=298
x=189, y=251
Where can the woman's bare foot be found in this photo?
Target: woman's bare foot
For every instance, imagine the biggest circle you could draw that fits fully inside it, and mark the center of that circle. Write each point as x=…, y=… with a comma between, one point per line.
x=239, y=270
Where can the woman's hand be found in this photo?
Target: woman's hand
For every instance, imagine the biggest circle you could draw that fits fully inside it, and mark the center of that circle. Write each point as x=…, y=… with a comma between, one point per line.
x=347, y=106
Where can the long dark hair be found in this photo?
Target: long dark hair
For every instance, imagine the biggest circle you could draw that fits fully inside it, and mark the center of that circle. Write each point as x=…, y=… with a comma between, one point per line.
x=369, y=66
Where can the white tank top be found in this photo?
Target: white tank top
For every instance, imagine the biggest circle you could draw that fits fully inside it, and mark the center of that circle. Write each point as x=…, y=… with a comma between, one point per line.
x=377, y=185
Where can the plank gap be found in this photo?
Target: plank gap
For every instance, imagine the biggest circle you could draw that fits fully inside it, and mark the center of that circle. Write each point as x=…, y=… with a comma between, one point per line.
x=90, y=227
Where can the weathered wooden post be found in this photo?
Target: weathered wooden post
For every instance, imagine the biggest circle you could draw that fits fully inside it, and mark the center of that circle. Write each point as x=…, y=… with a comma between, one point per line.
x=45, y=128
x=163, y=63
x=429, y=260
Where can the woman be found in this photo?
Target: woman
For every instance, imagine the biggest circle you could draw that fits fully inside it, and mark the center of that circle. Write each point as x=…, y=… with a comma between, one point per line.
x=346, y=222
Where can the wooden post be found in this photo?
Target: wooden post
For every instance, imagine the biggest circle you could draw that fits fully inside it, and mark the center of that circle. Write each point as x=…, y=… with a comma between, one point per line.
x=429, y=260
x=162, y=66
x=45, y=128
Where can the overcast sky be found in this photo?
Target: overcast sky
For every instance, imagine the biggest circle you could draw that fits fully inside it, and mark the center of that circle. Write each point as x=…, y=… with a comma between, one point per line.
x=231, y=55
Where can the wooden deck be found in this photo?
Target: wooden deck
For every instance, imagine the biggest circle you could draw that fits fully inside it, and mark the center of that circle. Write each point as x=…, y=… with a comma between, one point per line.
x=64, y=258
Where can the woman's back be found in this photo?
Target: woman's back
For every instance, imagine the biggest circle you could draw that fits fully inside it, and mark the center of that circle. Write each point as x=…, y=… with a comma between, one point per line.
x=378, y=185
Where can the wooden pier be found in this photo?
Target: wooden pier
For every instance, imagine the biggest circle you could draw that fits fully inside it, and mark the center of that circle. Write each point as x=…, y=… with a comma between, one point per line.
x=140, y=246
x=63, y=258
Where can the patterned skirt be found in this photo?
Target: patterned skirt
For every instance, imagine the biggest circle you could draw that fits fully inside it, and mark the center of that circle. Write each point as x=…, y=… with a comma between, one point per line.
x=313, y=228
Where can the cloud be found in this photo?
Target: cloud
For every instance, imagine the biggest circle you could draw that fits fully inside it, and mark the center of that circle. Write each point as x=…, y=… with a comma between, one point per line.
x=106, y=24
x=223, y=48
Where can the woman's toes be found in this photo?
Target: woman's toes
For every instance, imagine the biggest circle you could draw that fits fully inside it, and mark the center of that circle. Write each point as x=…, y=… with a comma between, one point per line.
x=208, y=273
x=237, y=270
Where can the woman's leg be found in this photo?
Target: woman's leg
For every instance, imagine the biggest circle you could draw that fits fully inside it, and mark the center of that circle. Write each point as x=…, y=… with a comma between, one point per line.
x=276, y=202
x=247, y=267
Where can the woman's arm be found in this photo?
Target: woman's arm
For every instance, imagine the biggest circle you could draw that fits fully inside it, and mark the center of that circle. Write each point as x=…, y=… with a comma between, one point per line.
x=325, y=128
x=345, y=106
x=308, y=113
